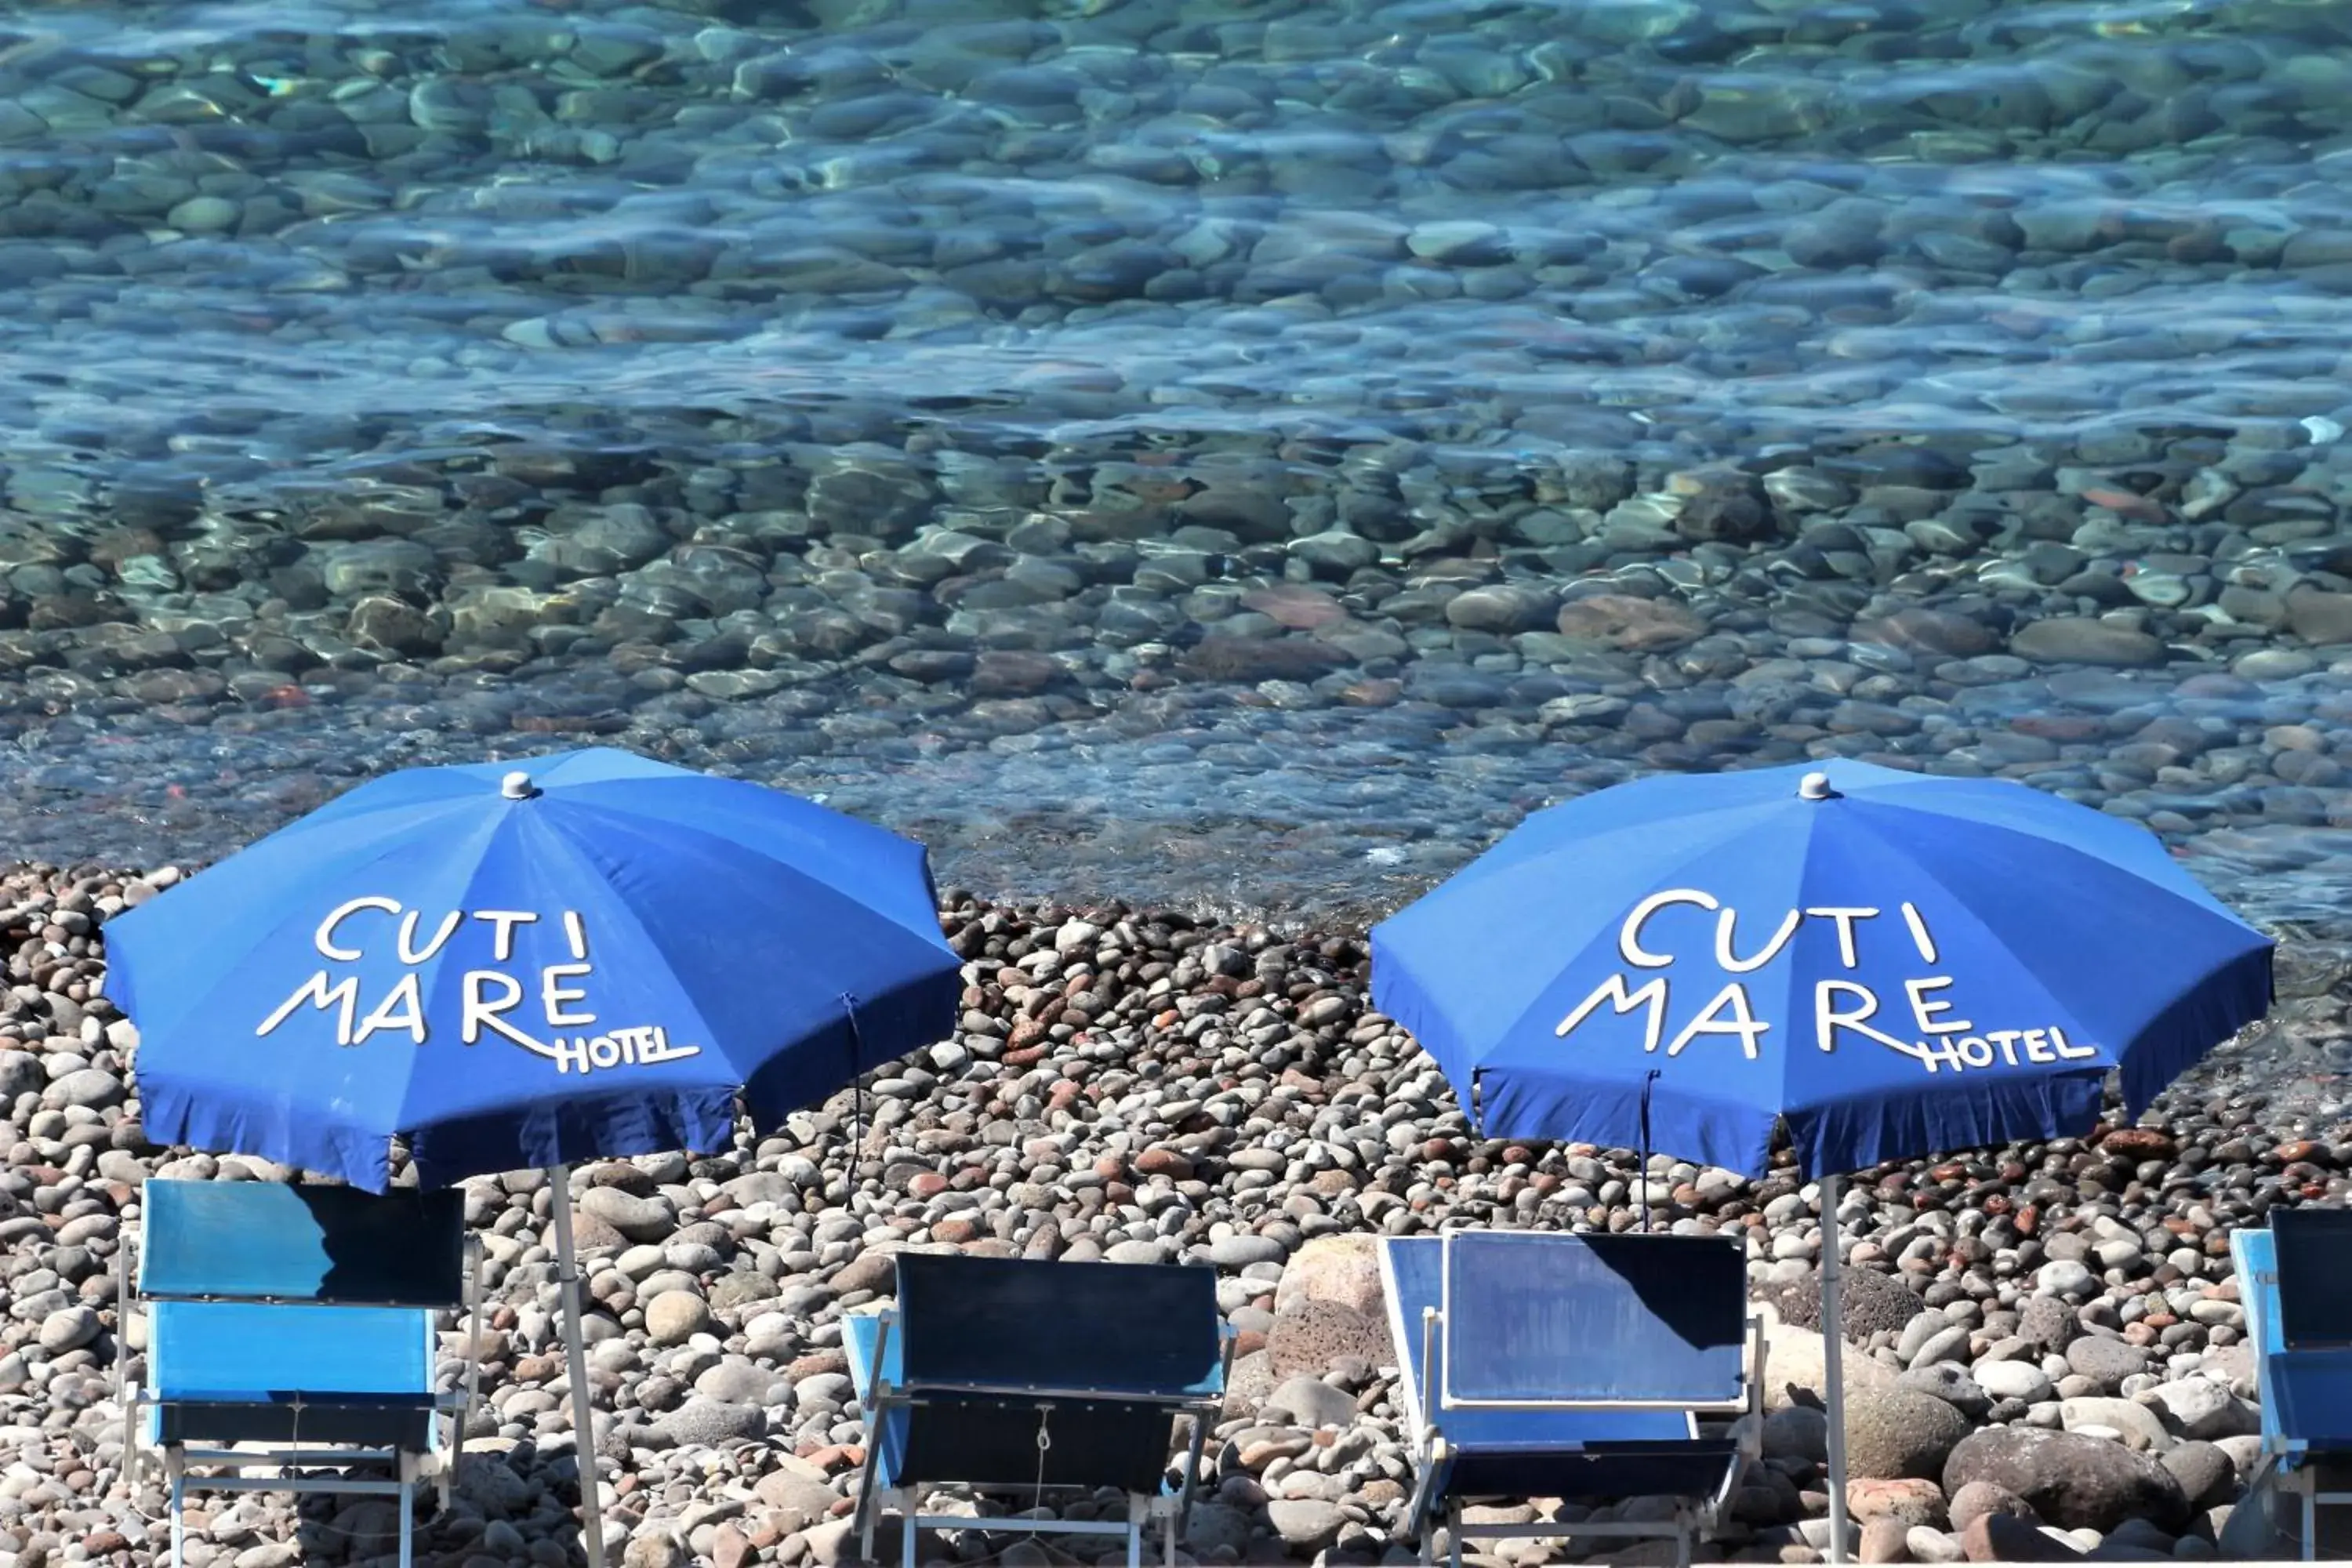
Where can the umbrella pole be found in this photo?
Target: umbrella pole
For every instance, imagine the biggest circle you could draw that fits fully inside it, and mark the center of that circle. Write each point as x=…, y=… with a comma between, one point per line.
x=1833, y=1358
x=583, y=1436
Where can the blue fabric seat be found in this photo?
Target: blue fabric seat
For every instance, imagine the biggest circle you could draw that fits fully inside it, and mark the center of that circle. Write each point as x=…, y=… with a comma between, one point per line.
x=2295, y=1283
x=1548, y=1364
x=1030, y=1376
x=294, y=1328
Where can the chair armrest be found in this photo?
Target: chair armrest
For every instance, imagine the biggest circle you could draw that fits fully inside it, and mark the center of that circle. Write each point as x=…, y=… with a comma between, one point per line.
x=871, y=1392
x=124, y=1276
x=1748, y=1433
x=1759, y=1347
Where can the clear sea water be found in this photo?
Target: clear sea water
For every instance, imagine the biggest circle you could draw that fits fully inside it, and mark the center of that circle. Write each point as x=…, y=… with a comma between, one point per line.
x=1066, y=430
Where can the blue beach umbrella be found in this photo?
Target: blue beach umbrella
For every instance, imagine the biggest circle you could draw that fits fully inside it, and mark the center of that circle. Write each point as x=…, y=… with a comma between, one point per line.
x=1884, y=964
x=600, y=956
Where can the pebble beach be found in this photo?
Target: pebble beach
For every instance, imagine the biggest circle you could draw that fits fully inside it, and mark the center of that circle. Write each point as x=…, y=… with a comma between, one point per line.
x=2048, y=1350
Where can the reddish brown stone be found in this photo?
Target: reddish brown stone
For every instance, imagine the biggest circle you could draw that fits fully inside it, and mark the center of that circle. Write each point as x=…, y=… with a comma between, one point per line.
x=1629, y=623
x=832, y=1361
x=1373, y=693
x=2138, y=1144
x=1884, y=1541
x=835, y=1457
x=2059, y=726
x=1163, y=1162
x=2125, y=503
x=1295, y=606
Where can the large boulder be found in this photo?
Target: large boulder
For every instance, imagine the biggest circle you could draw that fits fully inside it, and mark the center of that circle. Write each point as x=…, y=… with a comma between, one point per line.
x=1868, y=1303
x=1911, y=1502
x=1344, y=1269
x=1793, y=1367
x=2071, y=1480
x=1797, y=1432
x=1317, y=1337
x=1950, y=1382
x=1979, y=1498
x=2204, y=1471
x=1894, y=1433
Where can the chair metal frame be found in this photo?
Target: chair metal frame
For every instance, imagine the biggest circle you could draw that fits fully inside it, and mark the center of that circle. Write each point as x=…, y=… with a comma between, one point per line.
x=1431, y=1451
x=449, y=1411
x=2288, y=1460
x=882, y=1397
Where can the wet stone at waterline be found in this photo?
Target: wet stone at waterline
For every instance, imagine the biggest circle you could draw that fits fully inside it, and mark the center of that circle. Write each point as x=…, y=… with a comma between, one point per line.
x=1308, y=438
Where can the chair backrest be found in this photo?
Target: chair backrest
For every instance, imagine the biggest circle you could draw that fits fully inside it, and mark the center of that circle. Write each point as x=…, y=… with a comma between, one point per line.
x=2313, y=1262
x=265, y=1241
x=251, y=1353
x=1130, y=1330
x=1542, y=1319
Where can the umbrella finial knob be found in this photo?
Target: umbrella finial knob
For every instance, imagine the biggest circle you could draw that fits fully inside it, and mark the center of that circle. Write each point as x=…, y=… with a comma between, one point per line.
x=1815, y=786
x=517, y=786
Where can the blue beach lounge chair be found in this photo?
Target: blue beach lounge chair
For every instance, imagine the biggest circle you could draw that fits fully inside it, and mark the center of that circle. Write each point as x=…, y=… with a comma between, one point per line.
x=2295, y=1283
x=294, y=1328
x=1573, y=1366
x=1022, y=1375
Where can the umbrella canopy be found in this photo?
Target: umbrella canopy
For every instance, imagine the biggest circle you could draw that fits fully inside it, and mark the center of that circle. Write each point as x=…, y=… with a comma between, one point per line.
x=1893, y=963
x=600, y=956
x=1889, y=963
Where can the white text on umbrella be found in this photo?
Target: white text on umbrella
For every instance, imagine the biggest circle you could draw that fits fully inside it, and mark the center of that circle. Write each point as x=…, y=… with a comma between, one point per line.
x=486, y=996
x=1838, y=1004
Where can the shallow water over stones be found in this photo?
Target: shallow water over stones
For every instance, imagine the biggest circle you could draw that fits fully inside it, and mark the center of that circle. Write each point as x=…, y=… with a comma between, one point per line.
x=1239, y=455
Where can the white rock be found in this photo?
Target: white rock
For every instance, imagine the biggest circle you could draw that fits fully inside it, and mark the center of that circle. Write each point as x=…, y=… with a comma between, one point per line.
x=68, y=1327
x=2065, y=1277
x=2132, y=1424
x=770, y=1335
x=2011, y=1380
x=1927, y=1545
x=2200, y=1409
